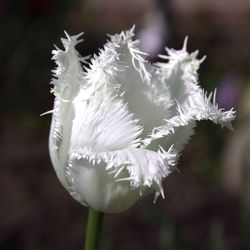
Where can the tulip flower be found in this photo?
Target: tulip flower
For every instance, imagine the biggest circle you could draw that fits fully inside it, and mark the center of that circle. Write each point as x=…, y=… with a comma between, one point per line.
x=119, y=122
x=112, y=118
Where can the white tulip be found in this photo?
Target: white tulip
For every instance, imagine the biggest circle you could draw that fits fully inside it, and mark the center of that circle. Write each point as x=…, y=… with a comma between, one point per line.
x=111, y=116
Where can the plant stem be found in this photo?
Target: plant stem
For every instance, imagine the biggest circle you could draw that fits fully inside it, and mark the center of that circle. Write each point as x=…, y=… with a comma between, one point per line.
x=93, y=229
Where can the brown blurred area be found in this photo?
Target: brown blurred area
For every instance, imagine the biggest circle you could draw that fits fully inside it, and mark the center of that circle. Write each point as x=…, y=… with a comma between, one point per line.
x=207, y=205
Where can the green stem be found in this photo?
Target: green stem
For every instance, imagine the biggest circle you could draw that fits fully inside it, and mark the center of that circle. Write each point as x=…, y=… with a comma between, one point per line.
x=93, y=229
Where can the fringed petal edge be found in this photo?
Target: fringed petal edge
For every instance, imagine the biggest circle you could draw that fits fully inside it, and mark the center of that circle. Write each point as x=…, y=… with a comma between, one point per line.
x=146, y=169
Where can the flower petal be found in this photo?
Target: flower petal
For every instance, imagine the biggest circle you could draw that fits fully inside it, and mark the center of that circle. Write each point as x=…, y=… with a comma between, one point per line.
x=191, y=104
x=67, y=79
x=102, y=122
x=122, y=65
x=113, y=181
x=179, y=74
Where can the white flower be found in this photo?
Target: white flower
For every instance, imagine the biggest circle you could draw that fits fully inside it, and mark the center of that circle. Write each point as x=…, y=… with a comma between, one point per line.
x=111, y=116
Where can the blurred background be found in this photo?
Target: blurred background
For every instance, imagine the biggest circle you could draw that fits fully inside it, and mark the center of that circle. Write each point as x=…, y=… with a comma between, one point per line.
x=207, y=205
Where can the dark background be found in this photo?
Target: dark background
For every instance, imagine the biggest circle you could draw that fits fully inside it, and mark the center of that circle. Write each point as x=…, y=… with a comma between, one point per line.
x=207, y=205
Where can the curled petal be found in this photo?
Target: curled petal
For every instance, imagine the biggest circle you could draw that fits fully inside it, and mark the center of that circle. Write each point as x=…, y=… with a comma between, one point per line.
x=189, y=102
x=179, y=128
